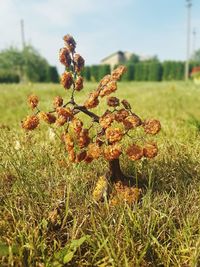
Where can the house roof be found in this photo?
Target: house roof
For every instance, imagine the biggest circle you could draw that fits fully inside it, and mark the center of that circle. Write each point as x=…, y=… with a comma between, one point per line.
x=113, y=54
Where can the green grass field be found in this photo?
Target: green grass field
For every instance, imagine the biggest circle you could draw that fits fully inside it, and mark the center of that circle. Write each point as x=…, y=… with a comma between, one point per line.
x=47, y=216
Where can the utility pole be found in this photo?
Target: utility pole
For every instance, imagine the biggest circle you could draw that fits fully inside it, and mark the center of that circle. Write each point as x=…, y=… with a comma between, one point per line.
x=189, y=5
x=194, y=40
x=22, y=33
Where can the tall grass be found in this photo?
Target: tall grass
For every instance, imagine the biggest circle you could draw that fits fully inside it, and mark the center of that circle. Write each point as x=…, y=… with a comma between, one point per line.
x=47, y=216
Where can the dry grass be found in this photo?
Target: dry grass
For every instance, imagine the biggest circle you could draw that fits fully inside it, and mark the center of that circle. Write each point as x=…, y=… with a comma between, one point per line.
x=46, y=202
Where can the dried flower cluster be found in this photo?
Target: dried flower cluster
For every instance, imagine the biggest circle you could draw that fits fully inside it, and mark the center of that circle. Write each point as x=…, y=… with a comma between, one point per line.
x=116, y=123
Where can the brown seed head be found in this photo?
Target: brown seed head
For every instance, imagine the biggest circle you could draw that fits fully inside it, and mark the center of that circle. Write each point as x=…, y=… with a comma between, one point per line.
x=88, y=159
x=114, y=134
x=92, y=101
x=79, y=62
x=112, y=152
x=68, y=141
x=132, y=122
x=77, y=125
x=152, y=126
x=118, y=72
x=65, y=112
x=106, y=79
x=106, y=120
x=126, y=104
x=64, y=57
x=81, y=156
x=61, y=120
x=112, y=101
x=94, y=151
x=83, y=138
x=30, y=123
x=67, y=80
x=79, y=83
x=150, y=150
x=70, y=42
x=58, y=101
x=135, y=152
x=121, y=115
x=33, y=101
x=47, y=117
x=109, y=88
x=72, y=155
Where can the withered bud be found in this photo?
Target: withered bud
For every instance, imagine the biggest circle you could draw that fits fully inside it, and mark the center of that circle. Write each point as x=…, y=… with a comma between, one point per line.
x=106, y=119
x=126, y=104
x=99, y=142
x=134, y=152
x=108, y=88
x=61, y=120
x=114, y=134
x=65, y=112
x=79, y=83
x=81, y=156
x=33, y=101
x=94, y=151
x=92, y=101
x=79, y=62
x=132, y=122
x=118, y=72
x=47, y=117
x=88, y=159
x=30, y=123
x=152, y=126
x=70, y=42
x=67, y=80
x=112, y=101
x=58, y=101
x=83, y=138
x=112, y=152
x=150, y=150
x=121, y=115
x=68, y=141
x=64, y=57
x=77, y=125
x=72, y=155
x=106, y=79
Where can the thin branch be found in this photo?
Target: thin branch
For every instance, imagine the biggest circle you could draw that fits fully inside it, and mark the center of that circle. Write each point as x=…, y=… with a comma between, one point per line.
x=89, y=113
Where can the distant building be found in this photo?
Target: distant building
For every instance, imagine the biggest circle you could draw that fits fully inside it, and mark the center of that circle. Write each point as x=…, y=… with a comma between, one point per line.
x=121, y=57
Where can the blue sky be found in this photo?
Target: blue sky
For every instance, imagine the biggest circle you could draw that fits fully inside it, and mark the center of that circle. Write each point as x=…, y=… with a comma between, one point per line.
x=101, y=27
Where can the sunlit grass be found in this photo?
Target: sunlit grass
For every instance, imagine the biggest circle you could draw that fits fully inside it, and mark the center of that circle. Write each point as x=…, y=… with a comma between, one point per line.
x=46, y=202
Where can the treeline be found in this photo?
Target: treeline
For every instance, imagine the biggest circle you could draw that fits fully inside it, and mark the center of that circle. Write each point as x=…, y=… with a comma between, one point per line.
x=27, y=65
x=142, y=71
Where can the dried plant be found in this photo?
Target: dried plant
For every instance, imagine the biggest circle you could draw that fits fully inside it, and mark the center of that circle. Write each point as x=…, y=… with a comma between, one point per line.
x=104, y=138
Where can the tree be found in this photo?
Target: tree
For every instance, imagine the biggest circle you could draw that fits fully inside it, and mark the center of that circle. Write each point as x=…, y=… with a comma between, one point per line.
x=134, y=59
x=129, y=74
x=28, y=64
x=86, y=73
x=155, y=71
x=94, y=73
x=196, y=56
x=105, y=138
x=103, y=71
x=53, y=74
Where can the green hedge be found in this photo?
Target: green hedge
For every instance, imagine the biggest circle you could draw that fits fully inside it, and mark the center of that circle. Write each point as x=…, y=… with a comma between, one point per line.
x=7, y=77
x=142, y=71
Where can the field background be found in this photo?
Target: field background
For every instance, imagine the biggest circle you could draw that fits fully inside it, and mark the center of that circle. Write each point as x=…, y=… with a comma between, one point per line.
x=46, y=201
